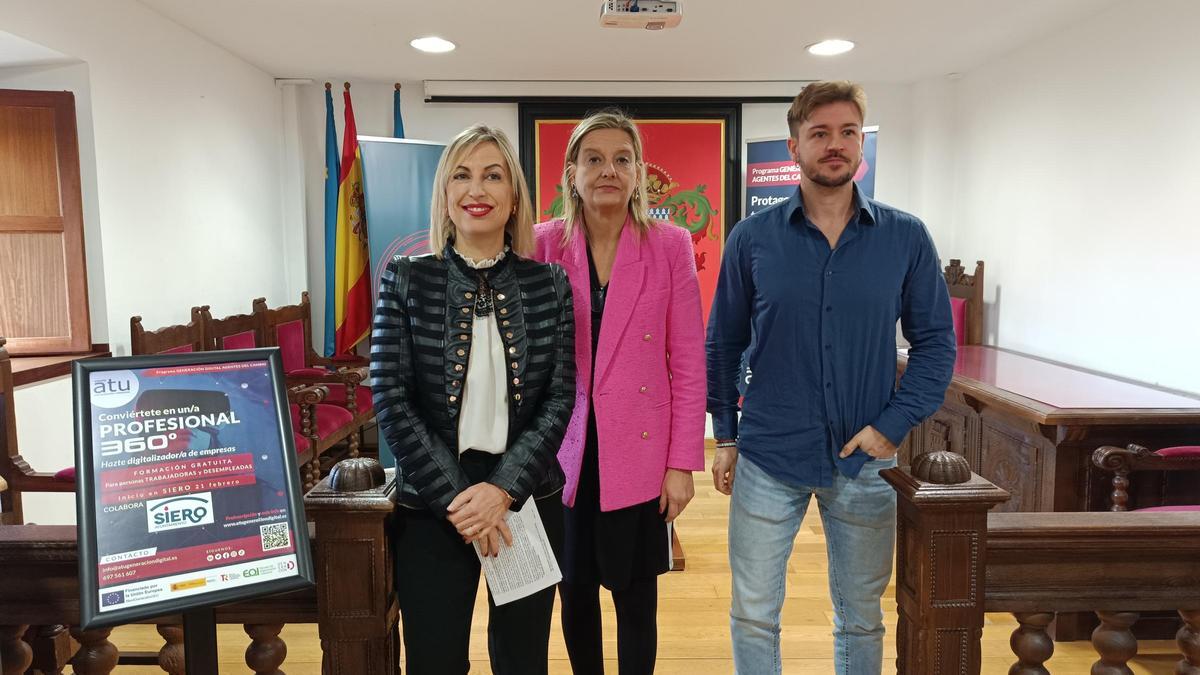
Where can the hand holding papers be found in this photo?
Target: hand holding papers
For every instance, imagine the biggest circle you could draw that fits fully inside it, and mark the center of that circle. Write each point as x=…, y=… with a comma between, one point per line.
x=527, y=566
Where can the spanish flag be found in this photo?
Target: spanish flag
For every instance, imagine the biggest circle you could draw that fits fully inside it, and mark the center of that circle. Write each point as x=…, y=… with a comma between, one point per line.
x=352, y=265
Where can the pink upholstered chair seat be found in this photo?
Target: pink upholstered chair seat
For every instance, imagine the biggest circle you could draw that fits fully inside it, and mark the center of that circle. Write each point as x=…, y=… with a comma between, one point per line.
x=66, y=475
x=1178, y=508
x=301, y=443
x=330, y=418
x=958, y=310
x=337, y=396
x=1180, y=452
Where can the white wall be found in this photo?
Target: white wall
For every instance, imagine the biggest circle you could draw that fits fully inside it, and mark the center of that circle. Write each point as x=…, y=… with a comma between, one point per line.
x=185, y=192
x=1069, y=167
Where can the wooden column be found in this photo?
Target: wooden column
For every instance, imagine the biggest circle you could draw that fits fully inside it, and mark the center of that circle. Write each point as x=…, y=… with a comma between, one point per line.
x=1189, y=643
x=941, y=523
x=15, y=654
x=358, y=611
x=170, y=656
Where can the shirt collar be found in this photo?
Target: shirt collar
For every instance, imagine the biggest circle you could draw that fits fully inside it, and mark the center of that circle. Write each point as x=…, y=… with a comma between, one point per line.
x=865, y=208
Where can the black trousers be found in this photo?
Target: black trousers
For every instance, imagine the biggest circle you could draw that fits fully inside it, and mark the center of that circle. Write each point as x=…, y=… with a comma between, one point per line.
x=437, y=578
x=637, y=627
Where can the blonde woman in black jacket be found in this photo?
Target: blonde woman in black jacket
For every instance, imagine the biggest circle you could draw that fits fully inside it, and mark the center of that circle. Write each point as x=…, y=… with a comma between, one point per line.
x=473, y=375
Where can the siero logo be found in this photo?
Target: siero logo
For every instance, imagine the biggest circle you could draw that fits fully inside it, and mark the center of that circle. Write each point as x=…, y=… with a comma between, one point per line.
x=174, y=513
x=113, y=388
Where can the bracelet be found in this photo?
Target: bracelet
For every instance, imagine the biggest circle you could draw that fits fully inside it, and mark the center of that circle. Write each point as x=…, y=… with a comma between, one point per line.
x=727, y=444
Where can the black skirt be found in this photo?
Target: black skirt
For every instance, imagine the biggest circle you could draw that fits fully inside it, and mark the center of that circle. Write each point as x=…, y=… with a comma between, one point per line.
x=610, y=548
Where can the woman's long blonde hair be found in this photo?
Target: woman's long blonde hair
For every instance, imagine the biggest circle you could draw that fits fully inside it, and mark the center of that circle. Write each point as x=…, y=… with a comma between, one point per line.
x=520, y=223
x=639, y=203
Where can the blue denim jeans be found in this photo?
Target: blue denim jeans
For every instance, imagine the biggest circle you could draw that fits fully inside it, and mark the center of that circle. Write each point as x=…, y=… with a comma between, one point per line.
x=859, y=518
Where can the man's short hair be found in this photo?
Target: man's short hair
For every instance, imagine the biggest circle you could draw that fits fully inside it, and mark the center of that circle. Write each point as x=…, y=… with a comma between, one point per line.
x=818, y=94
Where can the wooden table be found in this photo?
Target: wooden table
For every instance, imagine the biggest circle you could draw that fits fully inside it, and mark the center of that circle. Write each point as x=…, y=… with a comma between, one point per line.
x=1030, y=426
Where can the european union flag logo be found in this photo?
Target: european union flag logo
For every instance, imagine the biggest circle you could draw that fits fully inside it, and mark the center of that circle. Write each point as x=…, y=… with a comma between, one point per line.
x=114, y=598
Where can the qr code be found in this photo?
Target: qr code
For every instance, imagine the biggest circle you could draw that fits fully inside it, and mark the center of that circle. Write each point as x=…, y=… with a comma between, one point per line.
x=275, y=536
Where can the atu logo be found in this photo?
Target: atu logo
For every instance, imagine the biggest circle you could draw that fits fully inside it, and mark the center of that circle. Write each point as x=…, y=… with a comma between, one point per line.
x=174, y=513
x=113, y=388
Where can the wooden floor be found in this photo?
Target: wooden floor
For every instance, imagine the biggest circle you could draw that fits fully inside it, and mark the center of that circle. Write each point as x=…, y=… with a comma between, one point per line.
x=694, y=617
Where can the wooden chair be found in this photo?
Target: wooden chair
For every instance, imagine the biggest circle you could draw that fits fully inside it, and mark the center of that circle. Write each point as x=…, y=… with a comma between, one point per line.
x=290, y=328
x=1178, y=471
x=177, y=339
x=966, y=300
x=14, y=470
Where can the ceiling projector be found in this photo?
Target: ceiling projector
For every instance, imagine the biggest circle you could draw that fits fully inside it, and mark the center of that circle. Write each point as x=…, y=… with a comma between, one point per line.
x=648, y=14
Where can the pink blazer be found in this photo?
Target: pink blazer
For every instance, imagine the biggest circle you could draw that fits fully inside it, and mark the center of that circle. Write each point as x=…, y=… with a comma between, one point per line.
x=649, y=412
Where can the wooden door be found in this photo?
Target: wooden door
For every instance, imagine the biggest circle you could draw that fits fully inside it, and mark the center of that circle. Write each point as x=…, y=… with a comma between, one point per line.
x=43, y=278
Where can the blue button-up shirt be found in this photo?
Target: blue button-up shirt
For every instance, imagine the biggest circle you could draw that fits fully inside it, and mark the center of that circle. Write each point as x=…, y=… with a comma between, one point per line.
x=823, y=321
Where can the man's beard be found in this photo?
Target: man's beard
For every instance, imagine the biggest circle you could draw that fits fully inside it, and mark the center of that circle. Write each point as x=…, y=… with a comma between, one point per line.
x=813, y=173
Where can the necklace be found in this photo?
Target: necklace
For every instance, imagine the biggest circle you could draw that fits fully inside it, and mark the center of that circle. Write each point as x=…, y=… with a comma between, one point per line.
x=484, y=298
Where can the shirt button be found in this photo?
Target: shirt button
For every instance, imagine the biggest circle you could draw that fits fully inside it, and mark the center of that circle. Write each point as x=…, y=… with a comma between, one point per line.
x=516, y=380
x=505, y=322
x=646, y=337
x=468, y=295
x=645, y=434
x=465, y=310
x=462, y=352
x=458, y=368
x=453, y=399
x=512, y=350
x=642, y=389
x=499, y=296
x=464, y=337
x=463, y=325
x=828, y=385
x=454, y=384
x=829, y=274
x=508, y=335
x=516, y=397
x=504, y=311
x=514, y=365
x=828, y=308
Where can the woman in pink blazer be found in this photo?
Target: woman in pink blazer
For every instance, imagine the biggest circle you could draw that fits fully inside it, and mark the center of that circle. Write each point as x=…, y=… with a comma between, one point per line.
x=637, y=431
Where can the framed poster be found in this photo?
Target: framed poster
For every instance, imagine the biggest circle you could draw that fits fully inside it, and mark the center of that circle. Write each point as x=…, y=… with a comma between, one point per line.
x=692, y=154
x=188, y=493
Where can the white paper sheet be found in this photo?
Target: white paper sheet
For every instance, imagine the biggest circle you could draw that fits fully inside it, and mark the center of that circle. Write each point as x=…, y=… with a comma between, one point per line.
x=527, y=566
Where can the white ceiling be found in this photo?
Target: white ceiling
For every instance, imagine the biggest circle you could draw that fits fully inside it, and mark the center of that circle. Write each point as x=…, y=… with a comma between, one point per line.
x=15, y=51
x=898, y=40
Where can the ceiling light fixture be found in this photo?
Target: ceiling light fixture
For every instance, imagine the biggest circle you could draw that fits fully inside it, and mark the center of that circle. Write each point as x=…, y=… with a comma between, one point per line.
x=830, y=47
x=433, y=45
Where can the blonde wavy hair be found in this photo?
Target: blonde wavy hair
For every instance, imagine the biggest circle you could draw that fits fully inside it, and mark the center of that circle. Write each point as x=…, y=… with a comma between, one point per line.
x=639, y=204
x=519, y=225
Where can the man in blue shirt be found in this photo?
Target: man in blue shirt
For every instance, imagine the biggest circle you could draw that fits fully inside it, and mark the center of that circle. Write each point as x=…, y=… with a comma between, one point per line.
x=819, y=280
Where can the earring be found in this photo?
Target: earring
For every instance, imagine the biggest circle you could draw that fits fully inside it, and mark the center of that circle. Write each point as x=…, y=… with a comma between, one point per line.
x=574, y=192
x=637, y=192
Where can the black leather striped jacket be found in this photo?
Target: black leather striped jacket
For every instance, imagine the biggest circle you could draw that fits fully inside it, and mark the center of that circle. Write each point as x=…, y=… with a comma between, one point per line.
x=420, y=344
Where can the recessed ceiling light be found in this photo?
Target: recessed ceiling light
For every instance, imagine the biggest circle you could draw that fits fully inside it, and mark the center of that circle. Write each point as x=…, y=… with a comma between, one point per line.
x=830, y=47
x=435, y=45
